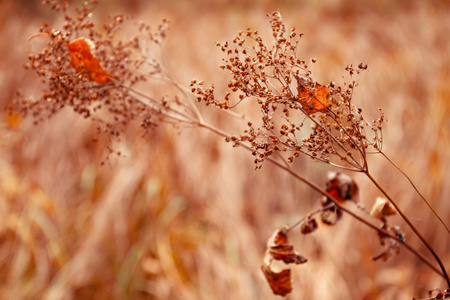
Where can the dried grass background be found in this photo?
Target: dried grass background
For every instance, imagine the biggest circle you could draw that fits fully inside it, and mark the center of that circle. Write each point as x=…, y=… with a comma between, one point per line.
x=184, y=215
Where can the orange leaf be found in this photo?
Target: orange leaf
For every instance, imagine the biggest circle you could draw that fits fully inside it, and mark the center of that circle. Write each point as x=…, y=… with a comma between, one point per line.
x=83, y=61
x=312, y=96
x=14, y=120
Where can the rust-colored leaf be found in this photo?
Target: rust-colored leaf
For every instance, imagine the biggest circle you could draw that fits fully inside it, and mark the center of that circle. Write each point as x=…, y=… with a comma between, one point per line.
x=280, y=282
x=83, y=61
x=278, y=238
x=312, y=96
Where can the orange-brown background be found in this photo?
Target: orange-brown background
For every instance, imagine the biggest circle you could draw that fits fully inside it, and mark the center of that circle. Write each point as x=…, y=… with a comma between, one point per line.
x=184, y=215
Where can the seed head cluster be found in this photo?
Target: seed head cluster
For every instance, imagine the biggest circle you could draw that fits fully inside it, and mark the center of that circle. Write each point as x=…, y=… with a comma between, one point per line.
x=299, y=116
x=112, y=101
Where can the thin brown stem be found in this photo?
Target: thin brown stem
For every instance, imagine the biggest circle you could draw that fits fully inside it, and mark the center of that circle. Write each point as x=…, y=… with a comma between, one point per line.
x=413, y=228
x=415, y=188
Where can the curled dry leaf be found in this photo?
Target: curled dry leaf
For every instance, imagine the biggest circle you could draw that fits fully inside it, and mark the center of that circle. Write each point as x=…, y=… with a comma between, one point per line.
x=83, y=61
x=382, y=208
x=308, y=226
x=278, y=250
x=312, y=96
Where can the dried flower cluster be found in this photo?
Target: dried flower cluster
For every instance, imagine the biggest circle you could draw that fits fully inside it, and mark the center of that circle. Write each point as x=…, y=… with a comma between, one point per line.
x=290, y=101
x=98, y=74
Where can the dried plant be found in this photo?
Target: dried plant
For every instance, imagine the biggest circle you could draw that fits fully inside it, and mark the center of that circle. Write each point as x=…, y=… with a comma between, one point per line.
x=282, y=84
x=303, y=117
x=99, y=75
x=105, y=78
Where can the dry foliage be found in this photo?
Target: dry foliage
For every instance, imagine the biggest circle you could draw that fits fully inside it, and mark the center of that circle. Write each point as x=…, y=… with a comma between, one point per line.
x=181, y=216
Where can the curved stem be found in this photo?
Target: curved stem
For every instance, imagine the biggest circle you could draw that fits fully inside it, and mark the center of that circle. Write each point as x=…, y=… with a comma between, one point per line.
x=415, y=188
x=418, y=234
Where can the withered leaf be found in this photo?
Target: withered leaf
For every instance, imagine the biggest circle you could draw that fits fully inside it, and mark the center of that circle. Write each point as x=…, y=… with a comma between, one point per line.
x=342, y=187
x=312, y=96
x=280, y=282
x=83, y=61
x=278, y=249
x=382, y=208
x=278, y=238
x=308, y=226
x=287, y=254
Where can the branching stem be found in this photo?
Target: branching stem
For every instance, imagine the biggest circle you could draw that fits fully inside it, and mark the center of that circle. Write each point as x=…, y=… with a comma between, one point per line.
x=315, y=187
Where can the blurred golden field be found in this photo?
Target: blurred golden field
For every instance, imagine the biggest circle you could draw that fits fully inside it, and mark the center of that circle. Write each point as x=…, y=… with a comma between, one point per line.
x=183, y=215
